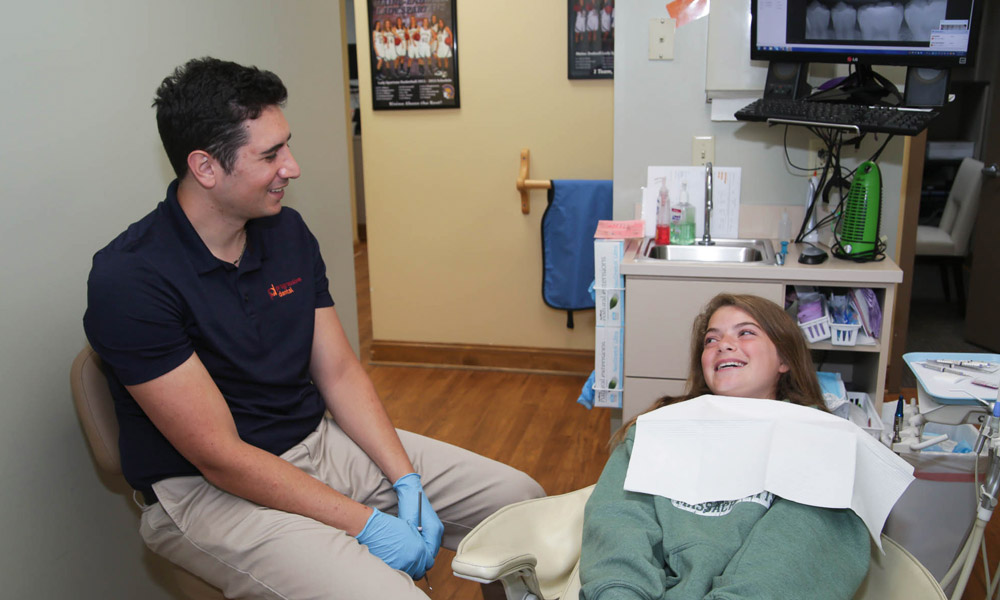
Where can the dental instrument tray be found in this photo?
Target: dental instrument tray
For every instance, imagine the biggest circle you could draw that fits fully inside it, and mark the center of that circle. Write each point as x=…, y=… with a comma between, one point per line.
x=955, y=377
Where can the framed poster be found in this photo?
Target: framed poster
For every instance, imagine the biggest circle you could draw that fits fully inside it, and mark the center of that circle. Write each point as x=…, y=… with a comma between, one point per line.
x=591, y=39
x=414, y=46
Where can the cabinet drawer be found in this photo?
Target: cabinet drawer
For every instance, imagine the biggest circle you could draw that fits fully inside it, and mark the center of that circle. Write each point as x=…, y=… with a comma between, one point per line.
x=640, y=393
x=659, y=313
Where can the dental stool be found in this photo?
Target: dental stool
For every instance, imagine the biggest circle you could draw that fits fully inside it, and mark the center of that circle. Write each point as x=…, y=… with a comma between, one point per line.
x=533, y=548
x=96, y=411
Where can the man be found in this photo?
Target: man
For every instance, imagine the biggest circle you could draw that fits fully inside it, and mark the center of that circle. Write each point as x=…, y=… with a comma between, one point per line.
x=224, y=350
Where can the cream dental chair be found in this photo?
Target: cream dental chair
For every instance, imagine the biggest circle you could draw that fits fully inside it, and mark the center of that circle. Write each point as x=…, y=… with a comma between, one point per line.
x=96, y=411
x=533, y=547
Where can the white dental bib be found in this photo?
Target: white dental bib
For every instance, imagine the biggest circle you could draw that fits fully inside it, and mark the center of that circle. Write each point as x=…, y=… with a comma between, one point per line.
x=714, y=448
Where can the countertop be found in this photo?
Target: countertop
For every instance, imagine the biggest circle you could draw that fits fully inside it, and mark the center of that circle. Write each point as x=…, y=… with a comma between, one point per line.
x=831, y=270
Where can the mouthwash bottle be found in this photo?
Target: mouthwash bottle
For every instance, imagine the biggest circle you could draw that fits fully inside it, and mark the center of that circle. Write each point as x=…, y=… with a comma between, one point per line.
x=683, y=227
x=663, y=214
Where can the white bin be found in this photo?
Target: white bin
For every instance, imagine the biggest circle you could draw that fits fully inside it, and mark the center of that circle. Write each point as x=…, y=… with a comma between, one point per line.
x=935, y=514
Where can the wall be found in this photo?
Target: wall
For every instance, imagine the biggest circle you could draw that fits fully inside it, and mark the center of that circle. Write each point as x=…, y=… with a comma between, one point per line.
x=452, y=259
x=81, y=161
x=660, y=106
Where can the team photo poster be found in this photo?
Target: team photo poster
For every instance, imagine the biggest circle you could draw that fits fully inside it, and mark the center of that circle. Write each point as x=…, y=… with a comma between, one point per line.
x=414, y=54
x=591, y=39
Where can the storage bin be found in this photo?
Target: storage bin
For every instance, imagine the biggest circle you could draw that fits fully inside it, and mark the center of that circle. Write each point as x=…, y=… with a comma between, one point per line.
x=844, y=334
x=873, y=420
x=817, y=330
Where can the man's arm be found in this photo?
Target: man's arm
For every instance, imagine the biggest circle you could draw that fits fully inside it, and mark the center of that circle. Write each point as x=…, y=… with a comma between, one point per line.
x=351, y=397
x=188, y=408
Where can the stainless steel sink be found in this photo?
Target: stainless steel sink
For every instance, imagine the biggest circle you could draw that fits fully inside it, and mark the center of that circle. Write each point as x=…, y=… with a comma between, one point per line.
x=749, y=251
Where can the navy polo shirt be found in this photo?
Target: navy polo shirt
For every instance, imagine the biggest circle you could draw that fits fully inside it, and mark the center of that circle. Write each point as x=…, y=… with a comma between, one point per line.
x=156, y=294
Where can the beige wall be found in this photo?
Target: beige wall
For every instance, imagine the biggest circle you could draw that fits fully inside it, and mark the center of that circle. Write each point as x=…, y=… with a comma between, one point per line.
x=452, y=258
x=82, y=160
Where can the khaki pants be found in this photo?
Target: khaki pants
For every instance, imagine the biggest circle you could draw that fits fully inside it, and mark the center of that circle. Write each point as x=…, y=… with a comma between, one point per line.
x=249, y=551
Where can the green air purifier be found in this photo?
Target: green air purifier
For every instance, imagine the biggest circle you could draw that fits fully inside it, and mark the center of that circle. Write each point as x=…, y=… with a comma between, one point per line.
x=862, y=213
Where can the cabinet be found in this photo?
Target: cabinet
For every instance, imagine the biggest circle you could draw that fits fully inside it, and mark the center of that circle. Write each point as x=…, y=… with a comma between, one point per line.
x=660, y=310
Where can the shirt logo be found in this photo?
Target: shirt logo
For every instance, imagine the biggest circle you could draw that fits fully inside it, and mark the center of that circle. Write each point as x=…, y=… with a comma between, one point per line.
x=283, y=289
x=724, y=507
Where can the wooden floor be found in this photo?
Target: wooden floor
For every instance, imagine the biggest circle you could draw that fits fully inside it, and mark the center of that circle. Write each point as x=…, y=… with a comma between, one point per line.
x=529, y=421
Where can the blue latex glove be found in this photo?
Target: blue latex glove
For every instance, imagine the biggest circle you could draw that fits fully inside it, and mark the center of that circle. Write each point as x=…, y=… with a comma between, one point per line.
x=397, y=543
x=416, y=509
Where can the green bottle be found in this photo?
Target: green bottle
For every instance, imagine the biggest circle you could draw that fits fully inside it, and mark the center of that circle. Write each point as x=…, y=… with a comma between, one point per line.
x=685, y=228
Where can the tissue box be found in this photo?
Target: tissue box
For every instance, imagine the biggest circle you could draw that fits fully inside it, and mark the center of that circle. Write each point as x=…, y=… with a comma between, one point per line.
x=609, y=366
x=609, y=284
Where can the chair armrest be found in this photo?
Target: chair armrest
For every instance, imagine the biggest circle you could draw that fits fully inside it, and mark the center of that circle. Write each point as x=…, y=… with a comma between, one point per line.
x=492, y=563
x=537, y=539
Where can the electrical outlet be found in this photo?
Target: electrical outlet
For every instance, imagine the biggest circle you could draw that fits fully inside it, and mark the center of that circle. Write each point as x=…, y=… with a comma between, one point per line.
x=702, y=150
x=817, y=158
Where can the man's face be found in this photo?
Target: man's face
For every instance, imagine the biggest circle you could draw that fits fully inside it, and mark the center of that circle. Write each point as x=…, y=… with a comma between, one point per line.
x=264, y=166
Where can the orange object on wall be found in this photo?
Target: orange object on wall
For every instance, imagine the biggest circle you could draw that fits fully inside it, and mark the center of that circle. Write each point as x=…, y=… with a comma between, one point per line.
x=685, y=11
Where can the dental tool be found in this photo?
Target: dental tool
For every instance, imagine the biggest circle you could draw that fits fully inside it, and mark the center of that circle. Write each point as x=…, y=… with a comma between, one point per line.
x=420, y=519
x=897, y=422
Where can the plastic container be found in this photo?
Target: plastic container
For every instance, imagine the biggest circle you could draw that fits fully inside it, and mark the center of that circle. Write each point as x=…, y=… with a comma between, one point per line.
x=662, y=214
x=682, y=220
x=818, y=329
x=784, y=227
x=872, y=420
x=844, y=334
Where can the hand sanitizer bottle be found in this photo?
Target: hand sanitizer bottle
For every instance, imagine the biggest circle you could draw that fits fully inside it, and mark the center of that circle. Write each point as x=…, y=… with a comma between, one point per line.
x=784, y=227
x=684, y=225
x=663, y=214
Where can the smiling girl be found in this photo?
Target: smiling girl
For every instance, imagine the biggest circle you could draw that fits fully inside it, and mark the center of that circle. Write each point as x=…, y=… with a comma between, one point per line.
x=763, y=546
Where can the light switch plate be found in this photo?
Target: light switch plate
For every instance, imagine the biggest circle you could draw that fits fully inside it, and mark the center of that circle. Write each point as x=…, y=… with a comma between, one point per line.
x=661, y=39
x=702, y=150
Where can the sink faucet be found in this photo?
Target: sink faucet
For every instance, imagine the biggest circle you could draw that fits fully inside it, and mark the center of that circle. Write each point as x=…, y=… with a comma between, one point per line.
x=706, y=238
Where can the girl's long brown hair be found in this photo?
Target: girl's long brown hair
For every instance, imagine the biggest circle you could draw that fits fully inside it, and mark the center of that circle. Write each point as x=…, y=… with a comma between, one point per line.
x=799, y=385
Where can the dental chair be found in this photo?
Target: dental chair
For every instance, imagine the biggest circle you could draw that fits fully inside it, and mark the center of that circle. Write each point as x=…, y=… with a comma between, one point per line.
x=96, y=411
x=533, y=548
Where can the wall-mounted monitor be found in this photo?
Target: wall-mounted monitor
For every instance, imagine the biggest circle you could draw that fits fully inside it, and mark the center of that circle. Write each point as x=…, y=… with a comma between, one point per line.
x=938, y=34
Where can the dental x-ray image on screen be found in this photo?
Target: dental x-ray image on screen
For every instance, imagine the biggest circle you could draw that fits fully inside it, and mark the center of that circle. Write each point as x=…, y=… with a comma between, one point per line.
x=874, y=20
x=934, y=33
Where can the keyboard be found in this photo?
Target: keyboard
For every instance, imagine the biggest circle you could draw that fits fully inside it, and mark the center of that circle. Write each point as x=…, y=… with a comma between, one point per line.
x=856, y=117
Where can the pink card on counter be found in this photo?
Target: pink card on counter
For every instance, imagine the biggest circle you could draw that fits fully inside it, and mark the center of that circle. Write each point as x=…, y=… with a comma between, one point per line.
x=620, y=230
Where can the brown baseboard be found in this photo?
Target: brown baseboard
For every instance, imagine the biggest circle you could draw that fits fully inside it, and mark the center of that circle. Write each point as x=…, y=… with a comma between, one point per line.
x=494, y=358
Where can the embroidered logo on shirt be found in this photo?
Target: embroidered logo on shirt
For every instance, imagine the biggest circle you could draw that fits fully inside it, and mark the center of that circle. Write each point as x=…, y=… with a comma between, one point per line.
x=283, y=289
x=724, y=507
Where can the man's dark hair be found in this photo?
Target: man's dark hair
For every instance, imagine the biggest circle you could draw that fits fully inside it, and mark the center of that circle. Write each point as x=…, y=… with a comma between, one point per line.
x=202, y=106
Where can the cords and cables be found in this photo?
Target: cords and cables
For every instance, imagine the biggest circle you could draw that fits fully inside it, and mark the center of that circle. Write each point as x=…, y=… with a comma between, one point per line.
x=835, y=177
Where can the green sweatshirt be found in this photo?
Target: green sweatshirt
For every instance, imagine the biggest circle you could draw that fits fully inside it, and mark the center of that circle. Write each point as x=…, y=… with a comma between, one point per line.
x=641, y=546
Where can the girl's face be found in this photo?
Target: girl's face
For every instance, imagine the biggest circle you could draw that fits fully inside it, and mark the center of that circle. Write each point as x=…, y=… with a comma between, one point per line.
x=737, y=357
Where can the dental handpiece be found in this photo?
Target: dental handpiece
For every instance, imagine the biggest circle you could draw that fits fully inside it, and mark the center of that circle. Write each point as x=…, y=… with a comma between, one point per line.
x=897, y=422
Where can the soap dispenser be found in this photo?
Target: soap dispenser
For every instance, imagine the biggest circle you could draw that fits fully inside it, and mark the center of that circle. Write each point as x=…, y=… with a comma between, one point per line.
x=682, y=225
x=663, y=214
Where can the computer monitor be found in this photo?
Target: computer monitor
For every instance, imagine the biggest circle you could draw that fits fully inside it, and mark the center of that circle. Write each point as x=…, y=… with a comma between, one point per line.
x=937, y=34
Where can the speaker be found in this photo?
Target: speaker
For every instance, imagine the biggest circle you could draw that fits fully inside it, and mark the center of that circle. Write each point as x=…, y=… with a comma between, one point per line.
x=926, y=87
x=786, y=80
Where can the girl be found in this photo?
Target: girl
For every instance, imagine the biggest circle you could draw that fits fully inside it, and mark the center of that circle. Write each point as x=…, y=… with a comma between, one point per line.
x=378, y=44
x=644, y=546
